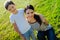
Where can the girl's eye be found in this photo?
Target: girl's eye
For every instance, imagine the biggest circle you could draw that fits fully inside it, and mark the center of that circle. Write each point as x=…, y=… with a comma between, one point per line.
x=9, y=9
x=12, y=7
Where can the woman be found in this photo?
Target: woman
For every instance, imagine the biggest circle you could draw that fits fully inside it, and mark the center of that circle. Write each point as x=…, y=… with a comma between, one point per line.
x=39, y=23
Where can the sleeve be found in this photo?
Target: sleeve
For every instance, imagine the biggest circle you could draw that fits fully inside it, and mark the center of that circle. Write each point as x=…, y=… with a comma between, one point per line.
x=44, y=20
x=22, y=10
x=12, y=19
x=42, y=17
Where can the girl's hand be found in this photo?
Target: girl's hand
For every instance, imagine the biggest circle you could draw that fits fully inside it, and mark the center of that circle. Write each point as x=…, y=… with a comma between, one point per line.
x=23, y=38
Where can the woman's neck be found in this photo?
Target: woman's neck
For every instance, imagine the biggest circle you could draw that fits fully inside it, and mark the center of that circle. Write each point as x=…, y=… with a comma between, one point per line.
x=32, y=20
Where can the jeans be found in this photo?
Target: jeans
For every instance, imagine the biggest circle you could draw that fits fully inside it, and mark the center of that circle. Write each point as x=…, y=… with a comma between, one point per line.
x=29, y=34
x=49, y=33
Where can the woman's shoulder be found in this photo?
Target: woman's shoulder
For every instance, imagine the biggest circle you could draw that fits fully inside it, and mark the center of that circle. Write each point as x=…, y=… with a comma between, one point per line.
x=40, y=14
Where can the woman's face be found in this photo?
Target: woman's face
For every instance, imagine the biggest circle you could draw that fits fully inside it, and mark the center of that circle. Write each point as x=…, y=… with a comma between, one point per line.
x=30, y=13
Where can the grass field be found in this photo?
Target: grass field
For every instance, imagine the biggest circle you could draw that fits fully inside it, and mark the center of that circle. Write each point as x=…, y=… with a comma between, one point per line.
x=49, y=8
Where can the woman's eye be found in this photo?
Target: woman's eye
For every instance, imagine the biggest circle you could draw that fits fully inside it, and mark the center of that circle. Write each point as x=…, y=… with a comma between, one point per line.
x=27, y=13
x=31, y=12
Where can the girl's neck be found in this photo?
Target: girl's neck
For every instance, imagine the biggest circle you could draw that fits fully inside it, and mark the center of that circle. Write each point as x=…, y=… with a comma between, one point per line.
x=16, y=11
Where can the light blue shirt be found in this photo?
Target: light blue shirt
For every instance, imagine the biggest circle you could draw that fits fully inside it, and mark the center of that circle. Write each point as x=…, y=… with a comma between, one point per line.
x=20, y=20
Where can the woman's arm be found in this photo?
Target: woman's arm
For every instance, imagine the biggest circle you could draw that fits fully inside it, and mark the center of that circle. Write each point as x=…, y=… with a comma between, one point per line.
x=16, y=29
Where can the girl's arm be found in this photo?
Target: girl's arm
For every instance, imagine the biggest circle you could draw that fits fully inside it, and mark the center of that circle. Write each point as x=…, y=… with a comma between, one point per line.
x=16, y=29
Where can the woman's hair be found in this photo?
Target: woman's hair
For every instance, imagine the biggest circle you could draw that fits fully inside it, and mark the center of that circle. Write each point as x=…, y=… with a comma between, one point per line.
x=37, y=17
x=29, y=7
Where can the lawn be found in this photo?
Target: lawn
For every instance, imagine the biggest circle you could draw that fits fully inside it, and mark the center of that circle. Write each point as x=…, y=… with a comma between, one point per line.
x=49, y=8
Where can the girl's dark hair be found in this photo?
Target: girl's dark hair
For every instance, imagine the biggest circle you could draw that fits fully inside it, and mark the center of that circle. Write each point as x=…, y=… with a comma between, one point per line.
x=37, y=17
x=8, y=3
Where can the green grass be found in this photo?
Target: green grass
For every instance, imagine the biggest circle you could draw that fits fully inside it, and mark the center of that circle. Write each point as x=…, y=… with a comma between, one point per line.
x=49, y=8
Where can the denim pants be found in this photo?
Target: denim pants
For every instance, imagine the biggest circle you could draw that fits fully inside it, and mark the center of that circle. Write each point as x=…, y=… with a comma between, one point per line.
x=29, y=34
x=49, y=33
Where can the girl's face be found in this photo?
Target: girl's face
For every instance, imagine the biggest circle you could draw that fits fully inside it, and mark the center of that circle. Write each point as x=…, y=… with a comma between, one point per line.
x=30, y=13
x=12, y=8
